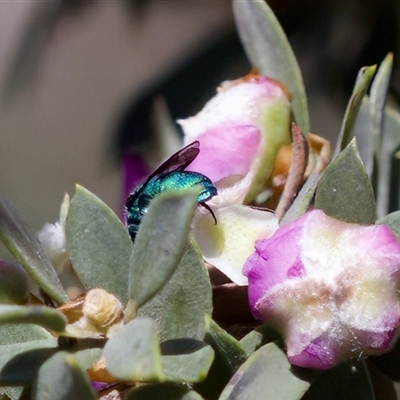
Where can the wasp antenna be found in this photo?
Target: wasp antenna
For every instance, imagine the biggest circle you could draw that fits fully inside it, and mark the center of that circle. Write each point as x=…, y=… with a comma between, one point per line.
x=207, y=207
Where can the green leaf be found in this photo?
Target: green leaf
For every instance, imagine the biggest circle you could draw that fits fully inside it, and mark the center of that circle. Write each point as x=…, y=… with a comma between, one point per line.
x=24, y=245
x=98, y=244
x=379, y=89
x=229, y=355
x=388, y=195
x=346, y=381
x=12, y=333
x=60, y=377
x=186, y=360
x=259, y=337
x=40, y=315
x=268, y=50
x=88, y=357
x=133, y=353
x=345, y=191
x=378, y=95
x=266, y=374
x=226, y=346
x=180, y=306
x=20, y=361
x=392, y=220
x=162, y=391
x=159, y=244
x=362, y=131
x=346, y=134
x=303, y=199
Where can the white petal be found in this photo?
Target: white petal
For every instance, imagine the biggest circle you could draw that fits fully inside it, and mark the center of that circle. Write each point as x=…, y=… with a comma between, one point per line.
x=227, y=245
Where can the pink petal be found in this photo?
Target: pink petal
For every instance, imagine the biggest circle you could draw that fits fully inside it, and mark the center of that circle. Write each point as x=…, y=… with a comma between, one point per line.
x=226, y=150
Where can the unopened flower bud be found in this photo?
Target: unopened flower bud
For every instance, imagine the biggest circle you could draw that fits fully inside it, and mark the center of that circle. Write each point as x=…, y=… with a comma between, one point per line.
x=329, y=287
x=52, y=237
x=102, y=309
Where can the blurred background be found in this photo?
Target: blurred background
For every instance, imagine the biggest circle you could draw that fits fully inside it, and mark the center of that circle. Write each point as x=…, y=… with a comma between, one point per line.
x=78, y=79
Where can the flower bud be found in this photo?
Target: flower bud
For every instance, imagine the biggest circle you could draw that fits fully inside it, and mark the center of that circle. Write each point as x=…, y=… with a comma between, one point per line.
x=102, y=309
x=95, y=314
x=240, y=132
x=52, y=237
x=329, y=287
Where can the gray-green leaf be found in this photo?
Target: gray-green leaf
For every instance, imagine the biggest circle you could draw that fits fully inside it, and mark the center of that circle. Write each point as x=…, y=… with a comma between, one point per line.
x=226, y=346
x=388, y=190
x=159, y=244
x=179, y=308
x=229, y=355
x=303, y=199
x=268, y=50
x=345, y=191
x=259, y=337
x=346, y=134
x=40, y=315
x=23, y=367
x=186, y=360
x=60, y=377
x=378, y=95
x=98, y=244
x=12, y=333
x=19, y=362
x=133, y=353
x=267, y=375
x=363, y=133
x=24, y=245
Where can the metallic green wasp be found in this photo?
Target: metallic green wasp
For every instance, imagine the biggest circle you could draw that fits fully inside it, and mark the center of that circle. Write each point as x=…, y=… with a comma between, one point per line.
x=170, y=175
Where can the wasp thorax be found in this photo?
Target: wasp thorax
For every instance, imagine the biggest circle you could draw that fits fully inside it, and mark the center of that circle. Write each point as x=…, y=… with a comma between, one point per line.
x=102, y=309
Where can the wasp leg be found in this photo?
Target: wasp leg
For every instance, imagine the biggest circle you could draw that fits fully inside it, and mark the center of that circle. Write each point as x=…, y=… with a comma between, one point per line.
x=207, y=207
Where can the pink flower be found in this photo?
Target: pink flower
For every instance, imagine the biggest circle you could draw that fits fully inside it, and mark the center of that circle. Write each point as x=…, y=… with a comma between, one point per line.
x=329, y=287
x=240, y=132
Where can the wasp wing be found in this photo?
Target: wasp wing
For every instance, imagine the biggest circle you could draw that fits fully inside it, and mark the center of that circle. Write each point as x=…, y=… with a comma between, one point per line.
x=180, y=160
x=177, y=162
